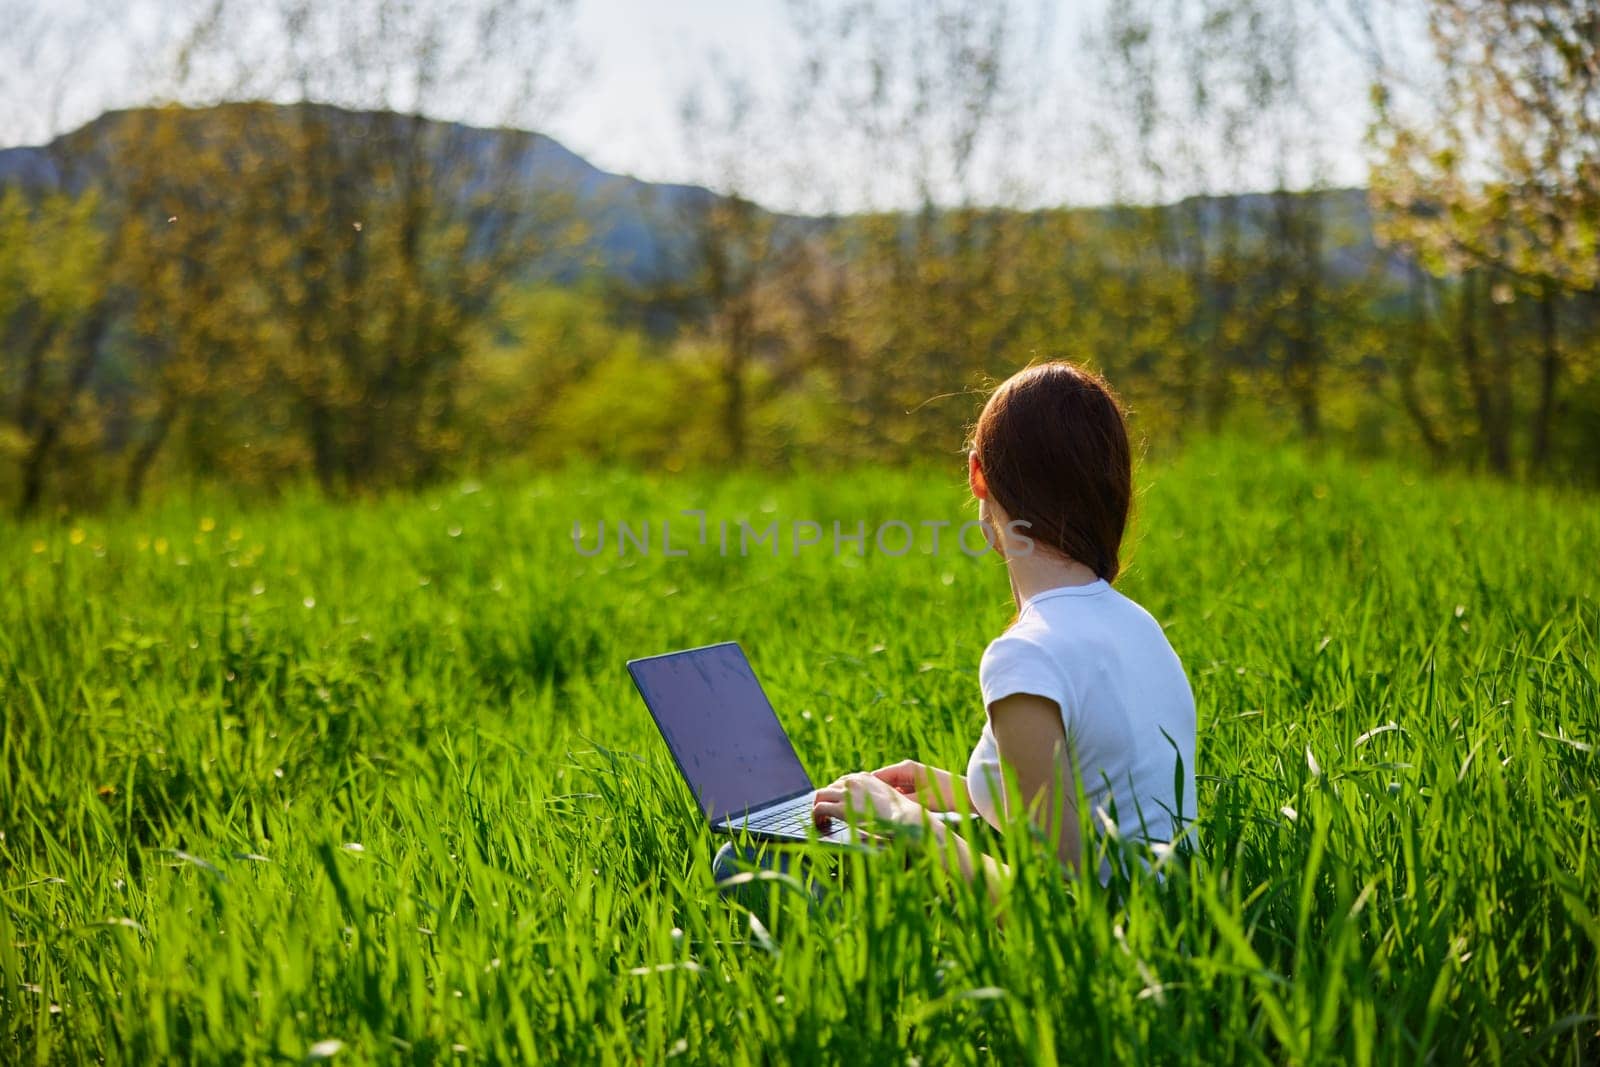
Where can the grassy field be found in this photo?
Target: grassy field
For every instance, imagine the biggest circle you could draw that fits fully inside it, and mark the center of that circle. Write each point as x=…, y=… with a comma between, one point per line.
x=369, y=782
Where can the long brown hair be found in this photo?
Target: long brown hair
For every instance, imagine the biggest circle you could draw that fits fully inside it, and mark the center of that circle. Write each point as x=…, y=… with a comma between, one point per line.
x=1053, y=449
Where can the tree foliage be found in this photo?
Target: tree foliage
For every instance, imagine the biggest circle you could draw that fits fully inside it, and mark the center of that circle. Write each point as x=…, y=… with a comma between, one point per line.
x=265, y=292
x=1490, y=178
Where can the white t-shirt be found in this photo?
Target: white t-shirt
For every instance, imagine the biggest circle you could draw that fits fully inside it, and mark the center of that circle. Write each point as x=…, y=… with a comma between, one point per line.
x=1124, y=700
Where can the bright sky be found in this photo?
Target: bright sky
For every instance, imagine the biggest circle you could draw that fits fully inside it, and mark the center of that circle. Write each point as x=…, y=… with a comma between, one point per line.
x=1064, y=140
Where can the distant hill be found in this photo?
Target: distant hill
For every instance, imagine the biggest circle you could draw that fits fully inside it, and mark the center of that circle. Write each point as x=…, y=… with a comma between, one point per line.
x=635, y=227
x=636, y=231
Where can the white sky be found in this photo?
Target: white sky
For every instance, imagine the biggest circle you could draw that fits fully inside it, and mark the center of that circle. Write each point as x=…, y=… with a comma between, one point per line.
x=64, y=61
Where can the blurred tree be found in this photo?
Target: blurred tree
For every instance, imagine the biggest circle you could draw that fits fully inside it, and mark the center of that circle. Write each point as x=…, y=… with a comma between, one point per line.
x=541, y=347
x=374, y=240
x=927, y=95
x=333, y=285
x=1196, y=97
x=190, y=362
x=1491, y=171
x=734, y=243
x=56, y=308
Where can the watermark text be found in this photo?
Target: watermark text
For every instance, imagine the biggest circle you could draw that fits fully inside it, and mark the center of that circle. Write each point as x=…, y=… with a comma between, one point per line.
x=693, y=532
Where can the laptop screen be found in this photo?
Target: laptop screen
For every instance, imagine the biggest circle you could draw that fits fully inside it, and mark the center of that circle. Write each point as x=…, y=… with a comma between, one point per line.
x=722, y=731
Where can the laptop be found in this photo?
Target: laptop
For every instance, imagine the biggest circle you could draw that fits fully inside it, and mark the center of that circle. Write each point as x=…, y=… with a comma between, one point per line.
x=729, y=746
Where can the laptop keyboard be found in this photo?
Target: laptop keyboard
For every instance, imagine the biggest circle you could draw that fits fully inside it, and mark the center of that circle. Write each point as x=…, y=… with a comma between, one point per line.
x=794, y=818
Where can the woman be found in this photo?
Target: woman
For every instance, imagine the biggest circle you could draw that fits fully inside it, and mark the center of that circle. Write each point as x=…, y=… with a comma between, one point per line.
x=1083, y=683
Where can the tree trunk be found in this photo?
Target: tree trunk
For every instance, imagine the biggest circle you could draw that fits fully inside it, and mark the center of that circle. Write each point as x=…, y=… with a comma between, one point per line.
x=144, y=457
x=733, y=374
x=1297, y=255
x=1496, y=447
x=1549, y=373
x=1225, y=353
x=1500, y=385
x=1194, y=347
x=31, y=333
x=1410, y=398
x=324, y=461
x=32, y=480
x=48, y=430
x=1308, y=325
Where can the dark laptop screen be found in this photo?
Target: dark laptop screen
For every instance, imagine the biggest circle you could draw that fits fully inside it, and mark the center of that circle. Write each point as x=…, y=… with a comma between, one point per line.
x=721, y=728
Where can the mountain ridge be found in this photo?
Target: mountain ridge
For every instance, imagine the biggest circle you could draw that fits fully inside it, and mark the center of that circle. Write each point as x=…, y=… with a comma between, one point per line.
x=635, y=224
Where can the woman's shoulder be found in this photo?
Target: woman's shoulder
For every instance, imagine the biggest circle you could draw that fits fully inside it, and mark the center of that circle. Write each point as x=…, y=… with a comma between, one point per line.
x=1085, y=633
x=1021, y=660
x=1033, y=642
x=1021, y=638
x=1110, y=609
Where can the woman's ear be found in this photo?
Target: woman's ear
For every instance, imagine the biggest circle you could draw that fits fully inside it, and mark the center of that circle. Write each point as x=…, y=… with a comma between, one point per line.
x=975, y=476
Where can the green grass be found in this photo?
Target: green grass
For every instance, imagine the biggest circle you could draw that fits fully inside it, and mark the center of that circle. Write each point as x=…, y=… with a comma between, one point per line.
x=374, y=774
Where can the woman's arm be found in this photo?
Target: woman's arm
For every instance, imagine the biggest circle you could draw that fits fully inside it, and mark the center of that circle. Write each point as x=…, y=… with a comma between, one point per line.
x=868, y=794
x=1033, y=748
x=934, y=788
x=968, y=860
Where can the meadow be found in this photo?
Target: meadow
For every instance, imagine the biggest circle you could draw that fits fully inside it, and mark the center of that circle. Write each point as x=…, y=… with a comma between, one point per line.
x=368, y=781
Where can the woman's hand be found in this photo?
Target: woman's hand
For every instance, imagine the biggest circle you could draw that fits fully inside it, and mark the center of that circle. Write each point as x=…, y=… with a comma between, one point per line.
x=934, y=787
x=865, y=794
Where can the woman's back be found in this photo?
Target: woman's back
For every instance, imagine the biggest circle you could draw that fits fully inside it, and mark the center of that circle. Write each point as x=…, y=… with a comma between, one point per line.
x=1125, y=703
